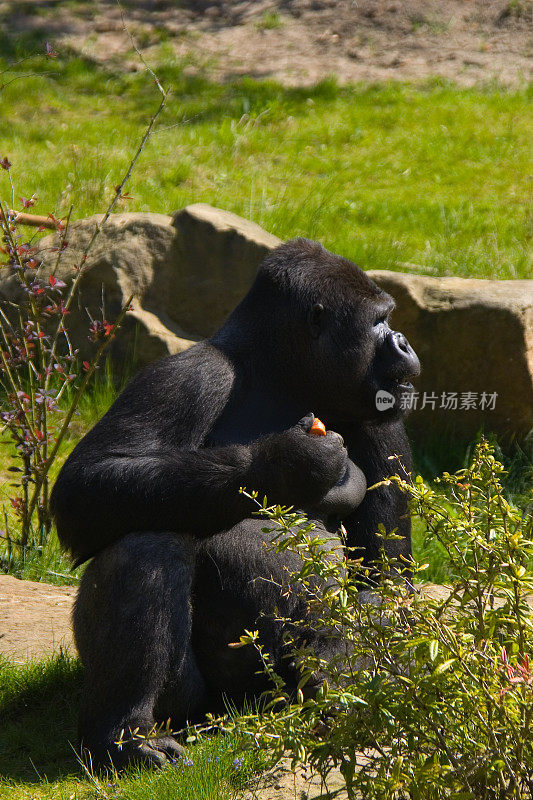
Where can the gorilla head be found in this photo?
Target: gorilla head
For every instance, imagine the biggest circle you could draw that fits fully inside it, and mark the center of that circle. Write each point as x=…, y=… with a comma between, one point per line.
x=330, y=322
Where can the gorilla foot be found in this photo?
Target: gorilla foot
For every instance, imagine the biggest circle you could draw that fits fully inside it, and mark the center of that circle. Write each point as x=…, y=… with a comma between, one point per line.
x=136, y=752
x=154, y=752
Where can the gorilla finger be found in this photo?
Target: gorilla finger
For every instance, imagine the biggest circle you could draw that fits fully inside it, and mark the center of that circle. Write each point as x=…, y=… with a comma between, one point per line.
x=148, y=755
x=306, y=422
x=335, y=437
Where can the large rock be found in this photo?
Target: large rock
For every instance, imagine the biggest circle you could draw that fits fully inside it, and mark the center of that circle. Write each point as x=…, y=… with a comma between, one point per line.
x=188, y=271
x=134, y=254
x=475, y=339
x=219, y=254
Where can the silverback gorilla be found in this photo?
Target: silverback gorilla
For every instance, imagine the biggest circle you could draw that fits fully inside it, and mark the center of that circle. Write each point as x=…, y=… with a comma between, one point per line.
x=151, y=494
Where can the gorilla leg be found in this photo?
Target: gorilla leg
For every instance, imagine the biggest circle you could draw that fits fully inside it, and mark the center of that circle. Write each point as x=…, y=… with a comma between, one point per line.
x=132, y=624
x=242, y=582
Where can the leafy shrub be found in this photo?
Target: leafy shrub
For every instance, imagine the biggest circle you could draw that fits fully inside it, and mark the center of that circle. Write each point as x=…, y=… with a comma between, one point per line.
x=39, y=364
x=433, y=696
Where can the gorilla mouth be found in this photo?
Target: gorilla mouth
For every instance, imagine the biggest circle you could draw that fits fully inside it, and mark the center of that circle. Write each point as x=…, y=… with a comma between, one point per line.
x=403, y=381
x=404, y=385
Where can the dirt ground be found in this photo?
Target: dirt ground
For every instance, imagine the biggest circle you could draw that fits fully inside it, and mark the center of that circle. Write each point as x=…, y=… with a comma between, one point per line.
x=34, y=618
x=300, y=41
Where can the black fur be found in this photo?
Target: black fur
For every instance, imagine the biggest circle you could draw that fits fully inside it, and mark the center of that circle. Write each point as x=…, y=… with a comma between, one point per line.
x=149, y=487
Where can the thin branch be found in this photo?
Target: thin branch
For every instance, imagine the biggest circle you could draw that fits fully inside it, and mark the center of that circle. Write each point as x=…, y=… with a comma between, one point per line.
x=31, y=220
x=119, y=190
x=62, y=241
x=72, y=408
x=142, y=58
x=25, y=75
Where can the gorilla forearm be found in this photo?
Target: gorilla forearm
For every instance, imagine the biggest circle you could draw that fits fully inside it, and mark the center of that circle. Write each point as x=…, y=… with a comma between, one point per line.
x=100, y=497
x=176, y=491
x=386, y=505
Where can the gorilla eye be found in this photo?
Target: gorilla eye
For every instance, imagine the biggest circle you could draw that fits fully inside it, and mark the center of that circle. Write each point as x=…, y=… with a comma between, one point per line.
x=316, y=318
x=382, y=320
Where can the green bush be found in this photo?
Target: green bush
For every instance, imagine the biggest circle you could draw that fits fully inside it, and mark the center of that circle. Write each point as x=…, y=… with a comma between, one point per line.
x=432, y=697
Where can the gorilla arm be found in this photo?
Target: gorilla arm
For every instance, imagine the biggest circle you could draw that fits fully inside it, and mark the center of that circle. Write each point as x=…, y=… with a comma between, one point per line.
x=374, y=448
x=145, y=465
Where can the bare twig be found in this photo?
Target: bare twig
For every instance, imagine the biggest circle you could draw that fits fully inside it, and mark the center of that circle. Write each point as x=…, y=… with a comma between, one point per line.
x=118, y=191
x=32, y=220
x=134, y=45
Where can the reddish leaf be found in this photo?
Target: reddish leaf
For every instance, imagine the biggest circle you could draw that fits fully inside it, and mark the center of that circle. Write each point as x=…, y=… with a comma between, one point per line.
x=57, y=222
x=17, y=504
x=122, y=196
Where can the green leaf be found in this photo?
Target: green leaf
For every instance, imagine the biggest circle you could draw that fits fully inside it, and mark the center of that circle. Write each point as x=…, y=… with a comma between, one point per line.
x=444, y=666
x=433, y=649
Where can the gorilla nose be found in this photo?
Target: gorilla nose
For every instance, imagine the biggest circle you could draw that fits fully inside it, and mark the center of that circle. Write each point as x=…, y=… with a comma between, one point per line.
x=400, y=343
x=404, y=353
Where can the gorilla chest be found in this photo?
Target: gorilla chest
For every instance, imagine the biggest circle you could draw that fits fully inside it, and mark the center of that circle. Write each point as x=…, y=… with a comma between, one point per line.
x=249, y=417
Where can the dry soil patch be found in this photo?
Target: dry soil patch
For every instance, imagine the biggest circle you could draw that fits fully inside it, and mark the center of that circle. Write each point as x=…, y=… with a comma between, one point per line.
x=34, y=618
x=300, y=41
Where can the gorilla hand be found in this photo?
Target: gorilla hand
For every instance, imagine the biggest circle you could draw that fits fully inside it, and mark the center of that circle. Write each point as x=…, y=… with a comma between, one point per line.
x=348, y=492
x=301, y=468
x=346, y=495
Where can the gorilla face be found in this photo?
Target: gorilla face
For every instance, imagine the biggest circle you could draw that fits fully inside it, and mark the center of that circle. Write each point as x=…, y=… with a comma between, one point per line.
x=374, y=364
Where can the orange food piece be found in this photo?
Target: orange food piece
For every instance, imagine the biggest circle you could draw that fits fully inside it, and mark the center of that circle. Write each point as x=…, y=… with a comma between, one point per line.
x=317, y=428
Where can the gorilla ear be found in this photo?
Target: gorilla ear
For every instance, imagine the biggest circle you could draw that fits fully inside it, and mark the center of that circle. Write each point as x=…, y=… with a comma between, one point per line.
x=316, y=320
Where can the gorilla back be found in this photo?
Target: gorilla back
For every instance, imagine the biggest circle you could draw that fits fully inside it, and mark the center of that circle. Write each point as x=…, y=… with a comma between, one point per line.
x=152, y=490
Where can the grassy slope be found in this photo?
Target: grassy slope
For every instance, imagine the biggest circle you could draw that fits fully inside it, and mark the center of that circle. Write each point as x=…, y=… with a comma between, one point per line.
x=38, y=709
x=387, y=175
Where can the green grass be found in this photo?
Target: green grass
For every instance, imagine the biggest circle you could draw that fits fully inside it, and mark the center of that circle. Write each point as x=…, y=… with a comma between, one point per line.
x=388, y=175
x=269, y=21
x=38, y=709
